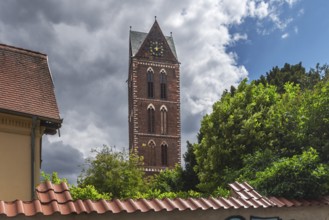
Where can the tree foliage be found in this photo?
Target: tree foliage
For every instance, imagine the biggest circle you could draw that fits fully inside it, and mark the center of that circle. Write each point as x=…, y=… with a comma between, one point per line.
x=169, y=180
x=308, y=178
x=261, y=126
x=117, y=175
x=113, y=172
x=295, y=74
x=87, y=192
x=235, y=128
x=54, y=178
x=189, y=176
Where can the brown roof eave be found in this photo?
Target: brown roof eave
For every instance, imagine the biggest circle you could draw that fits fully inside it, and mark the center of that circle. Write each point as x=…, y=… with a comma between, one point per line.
x=58, y=122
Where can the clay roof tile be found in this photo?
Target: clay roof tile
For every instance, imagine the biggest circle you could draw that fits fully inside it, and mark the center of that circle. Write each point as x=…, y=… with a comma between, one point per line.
x=26, y=84
x=52, y=199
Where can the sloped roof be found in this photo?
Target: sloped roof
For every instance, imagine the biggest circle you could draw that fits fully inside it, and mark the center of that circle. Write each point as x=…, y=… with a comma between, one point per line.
x=246, y=192
x=26, y=86
x=137, y=38
x=56, y=199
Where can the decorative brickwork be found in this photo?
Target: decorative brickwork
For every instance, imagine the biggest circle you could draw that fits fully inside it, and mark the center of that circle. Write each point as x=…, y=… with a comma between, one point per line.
x=154, y=99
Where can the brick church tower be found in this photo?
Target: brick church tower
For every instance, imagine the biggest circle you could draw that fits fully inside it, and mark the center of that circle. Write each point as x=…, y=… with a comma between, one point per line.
x=154, y=99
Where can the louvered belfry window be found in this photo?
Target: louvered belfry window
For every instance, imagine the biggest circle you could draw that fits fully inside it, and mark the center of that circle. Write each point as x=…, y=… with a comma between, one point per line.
x=150, y=75
x=163, y=85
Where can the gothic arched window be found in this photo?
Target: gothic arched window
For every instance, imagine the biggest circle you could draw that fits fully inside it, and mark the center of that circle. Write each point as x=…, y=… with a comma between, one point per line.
x=163, y=112
x=150, y=76
x=163, y=84
x=150, y=116
x=164, y=154
x=151, y=151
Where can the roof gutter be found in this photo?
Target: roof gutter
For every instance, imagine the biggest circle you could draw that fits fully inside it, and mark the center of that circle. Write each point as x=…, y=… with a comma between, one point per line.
x=54, y=120
x=51, y=123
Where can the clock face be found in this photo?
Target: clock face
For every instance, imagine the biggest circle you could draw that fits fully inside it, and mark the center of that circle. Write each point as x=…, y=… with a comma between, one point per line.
x=156, y=48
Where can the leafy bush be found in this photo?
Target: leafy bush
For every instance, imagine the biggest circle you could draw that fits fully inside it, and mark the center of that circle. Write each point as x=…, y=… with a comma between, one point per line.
x=301, y=176
x=88, y=192
x=115, y=173
x=52, y=178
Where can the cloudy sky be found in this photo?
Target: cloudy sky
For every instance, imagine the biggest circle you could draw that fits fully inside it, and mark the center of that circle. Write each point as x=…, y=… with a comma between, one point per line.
x=218, y=42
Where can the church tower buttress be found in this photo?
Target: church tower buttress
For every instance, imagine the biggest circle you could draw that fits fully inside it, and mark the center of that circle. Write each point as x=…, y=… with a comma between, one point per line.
x=154, y=99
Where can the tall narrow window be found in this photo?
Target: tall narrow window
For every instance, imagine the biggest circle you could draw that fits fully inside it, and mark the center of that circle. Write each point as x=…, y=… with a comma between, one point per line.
x=164, y=154
x=163, y=84
x=163, y=112
x=151, y=123
x=151, y=150
x=150, y=75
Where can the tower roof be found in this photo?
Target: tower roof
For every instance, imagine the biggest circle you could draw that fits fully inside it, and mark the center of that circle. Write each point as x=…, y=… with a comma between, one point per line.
x=138, y=38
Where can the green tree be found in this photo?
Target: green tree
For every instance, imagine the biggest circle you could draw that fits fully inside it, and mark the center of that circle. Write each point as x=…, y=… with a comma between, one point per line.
x=316, y=121
x=54, y=178
x=88, y=192
x=300, y=176
x=176, y=180
x=283, y=122
x=236, y=127
x=295, y=74
x=261, y=124
x=169, y=180
x=115, y=173
x=254, y=163
x=189, y=176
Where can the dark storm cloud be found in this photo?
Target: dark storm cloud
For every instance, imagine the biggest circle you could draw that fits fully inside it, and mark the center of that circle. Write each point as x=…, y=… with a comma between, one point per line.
x=19, y=13
x=61, y=158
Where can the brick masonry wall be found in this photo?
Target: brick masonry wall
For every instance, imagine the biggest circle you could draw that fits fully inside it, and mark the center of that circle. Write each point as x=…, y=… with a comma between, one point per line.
x=138, y=114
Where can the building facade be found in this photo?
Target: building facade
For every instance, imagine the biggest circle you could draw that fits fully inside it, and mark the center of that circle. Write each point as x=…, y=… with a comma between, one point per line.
x=154, y=99
x=28, y=110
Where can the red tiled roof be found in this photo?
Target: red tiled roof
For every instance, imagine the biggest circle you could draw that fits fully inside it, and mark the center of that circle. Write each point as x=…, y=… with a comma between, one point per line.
x=26, y=85
x=54, y=199
x=245, y=191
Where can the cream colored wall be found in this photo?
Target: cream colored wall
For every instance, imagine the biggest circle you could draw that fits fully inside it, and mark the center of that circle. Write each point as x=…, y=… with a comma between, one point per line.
x=15, y=157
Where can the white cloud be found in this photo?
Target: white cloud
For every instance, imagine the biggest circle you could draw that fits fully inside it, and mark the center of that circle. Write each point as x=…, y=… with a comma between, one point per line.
x=259, y=10
x=208, y=68
x=301, y=12
x=285, y=35
x=239, y=36
x=291, y=2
